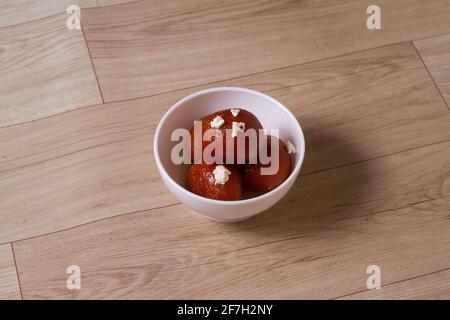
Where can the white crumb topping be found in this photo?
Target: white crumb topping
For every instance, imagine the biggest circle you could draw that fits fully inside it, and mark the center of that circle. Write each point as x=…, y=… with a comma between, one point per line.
x=291, y=148
x=235, y=112
x=221, y=174
x=217, y=122
x=237, y=127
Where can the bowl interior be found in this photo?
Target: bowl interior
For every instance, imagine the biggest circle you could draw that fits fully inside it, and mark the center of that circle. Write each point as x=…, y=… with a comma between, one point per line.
x=270, y=113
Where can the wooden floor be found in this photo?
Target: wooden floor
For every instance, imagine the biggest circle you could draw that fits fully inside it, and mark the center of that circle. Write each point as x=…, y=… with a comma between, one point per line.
x=78, y=184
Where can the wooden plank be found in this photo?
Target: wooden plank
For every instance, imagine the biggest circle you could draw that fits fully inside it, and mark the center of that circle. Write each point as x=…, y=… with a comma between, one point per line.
x=434, y=286
x=316, y=243
x=22, y=11
x=141, y=49
x=384, y=98
x=436, y=55
x=100, y=163
x=46, y=70
x=9, y=285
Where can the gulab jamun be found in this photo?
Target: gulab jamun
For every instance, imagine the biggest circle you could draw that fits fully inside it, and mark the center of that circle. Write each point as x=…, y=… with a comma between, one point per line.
x=254, y=180
x=214, y=181
x=233, y=122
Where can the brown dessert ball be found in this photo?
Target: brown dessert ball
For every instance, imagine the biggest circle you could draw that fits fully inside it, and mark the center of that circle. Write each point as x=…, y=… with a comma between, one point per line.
x=243, y=116
x=253, y=180
x=201, y=180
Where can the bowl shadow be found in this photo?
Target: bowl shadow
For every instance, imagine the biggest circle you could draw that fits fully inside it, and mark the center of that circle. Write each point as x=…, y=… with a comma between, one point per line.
x=333, y=186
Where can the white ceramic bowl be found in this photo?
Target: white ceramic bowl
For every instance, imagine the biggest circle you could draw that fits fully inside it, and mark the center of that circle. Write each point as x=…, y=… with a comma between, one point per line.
x=272, y=115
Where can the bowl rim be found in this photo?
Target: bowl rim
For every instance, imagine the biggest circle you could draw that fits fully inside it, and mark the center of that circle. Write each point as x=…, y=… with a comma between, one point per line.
x=293, y=175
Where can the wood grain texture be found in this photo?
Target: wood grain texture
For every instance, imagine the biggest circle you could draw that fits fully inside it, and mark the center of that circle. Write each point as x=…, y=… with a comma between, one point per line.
x=45, y=69
x=100, y=164
x=436, y=55
x=9, y=285
x=393, y=212
x=434, y=286
x=22, y=11
x=377, y=96
x=145, y=48
x=79, y=185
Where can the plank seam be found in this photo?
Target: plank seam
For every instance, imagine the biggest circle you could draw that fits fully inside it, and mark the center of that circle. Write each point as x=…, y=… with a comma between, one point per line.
x=178, y=203
x=430, y=75
x=17, y=270
x=61, y=12
x=203, y=84
x=259, y=73
x=93, y=221
x=92, y=64
x=376, y=158
x=395, y=282
x=207, y=84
